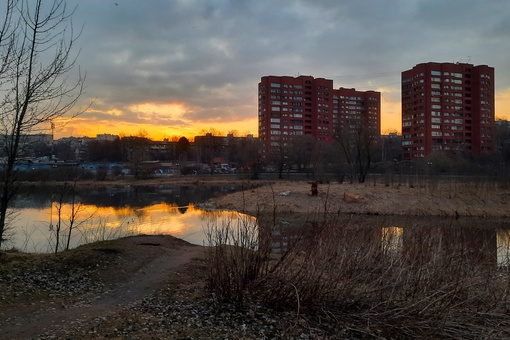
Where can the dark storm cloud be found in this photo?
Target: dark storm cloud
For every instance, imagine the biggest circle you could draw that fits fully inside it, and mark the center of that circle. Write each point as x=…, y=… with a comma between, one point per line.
x=210, y=55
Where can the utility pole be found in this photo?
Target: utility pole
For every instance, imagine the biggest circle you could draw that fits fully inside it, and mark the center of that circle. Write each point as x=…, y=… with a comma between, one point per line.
x=52, y=139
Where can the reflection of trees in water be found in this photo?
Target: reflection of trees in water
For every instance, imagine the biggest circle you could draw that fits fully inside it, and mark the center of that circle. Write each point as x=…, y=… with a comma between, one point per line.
x=212, y=215
x=463, y=233
x=34, y=196
x=421, y=238
x=126, y=196
x=503, y=251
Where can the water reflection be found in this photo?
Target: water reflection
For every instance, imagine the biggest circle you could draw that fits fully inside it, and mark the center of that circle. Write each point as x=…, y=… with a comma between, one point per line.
x=417, y=238
x=38, y=227
x=122, y=196
x=108, y=212
x=391, y=238
x=481, y=244
x=503, y=247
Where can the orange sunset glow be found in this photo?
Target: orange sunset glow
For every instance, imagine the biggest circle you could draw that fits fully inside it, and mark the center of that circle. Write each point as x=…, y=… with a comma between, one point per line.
x=149, y=114
x=187, y=73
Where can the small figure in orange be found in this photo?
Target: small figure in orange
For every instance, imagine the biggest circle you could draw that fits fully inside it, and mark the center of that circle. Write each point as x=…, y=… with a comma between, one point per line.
x=315, y=191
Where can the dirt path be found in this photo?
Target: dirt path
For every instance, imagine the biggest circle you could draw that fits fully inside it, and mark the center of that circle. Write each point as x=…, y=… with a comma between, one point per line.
x=145, y=265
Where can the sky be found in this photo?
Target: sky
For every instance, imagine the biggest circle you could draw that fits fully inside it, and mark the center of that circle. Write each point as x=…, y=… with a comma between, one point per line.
x=179, y=67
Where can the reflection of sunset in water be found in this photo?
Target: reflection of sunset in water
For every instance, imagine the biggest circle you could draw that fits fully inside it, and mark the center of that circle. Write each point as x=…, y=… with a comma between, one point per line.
x=503, y=244
x=36, y=228
x=167, y=219
x=391, y=238
x=393, y=241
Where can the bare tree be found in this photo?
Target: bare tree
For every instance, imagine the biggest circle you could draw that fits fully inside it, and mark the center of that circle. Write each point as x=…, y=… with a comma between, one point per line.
x=137, y=148
x=74, y=219
x=58, y=227
x=357, y=144
x=182, y=149
x=279, y=157
x=76, y=208
x=36, y=86
x=301, y=151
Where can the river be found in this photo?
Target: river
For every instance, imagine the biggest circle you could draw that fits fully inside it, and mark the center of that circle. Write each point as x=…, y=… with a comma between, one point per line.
x=103, y=213
x=109, y=212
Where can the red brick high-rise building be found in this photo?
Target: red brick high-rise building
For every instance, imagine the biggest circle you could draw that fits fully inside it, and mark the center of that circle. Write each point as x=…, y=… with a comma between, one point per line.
x=447, y=107
x=304, y=105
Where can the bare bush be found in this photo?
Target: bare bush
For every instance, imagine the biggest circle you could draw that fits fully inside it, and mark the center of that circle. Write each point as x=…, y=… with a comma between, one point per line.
x=101, y=229
x=235, y=258
x=424, y=282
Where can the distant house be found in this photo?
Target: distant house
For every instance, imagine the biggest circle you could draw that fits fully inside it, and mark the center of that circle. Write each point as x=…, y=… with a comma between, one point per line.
x=106, y=137
x=30, y=145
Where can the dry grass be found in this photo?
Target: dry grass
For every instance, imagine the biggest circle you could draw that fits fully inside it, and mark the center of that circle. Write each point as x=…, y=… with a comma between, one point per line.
x=410, y=196
x=427, y=282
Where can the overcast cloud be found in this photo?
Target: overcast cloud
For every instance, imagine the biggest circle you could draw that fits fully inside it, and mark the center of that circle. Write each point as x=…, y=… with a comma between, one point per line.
x=181, y=64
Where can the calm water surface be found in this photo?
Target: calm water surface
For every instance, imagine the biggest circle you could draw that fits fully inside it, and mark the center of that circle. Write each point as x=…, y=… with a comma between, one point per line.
x=107, y=213
x=112, y=212
x=492, y=244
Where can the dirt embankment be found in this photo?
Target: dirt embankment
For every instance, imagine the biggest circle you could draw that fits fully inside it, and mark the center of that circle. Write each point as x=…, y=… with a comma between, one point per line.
x=444, y=199
x=48, y=296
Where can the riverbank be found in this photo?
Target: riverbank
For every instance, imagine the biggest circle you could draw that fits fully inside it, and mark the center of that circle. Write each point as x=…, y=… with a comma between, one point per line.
x=451, y=198
x=441, y=199
x=136, y=287
x=155, y=286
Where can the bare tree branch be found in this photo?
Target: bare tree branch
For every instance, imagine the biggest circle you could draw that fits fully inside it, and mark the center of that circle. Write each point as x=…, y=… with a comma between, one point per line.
x=37, y=41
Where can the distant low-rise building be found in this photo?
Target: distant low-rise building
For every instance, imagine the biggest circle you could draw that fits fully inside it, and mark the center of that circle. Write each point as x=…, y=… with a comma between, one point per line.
x=106, y=137
x=31, y=145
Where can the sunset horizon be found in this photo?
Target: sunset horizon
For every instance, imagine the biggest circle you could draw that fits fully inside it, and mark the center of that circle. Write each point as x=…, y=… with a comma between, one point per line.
x=81, y=127
x=192, y=69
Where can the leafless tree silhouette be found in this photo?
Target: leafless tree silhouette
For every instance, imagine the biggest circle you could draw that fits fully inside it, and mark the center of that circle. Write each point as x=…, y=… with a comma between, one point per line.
x=37, y=41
